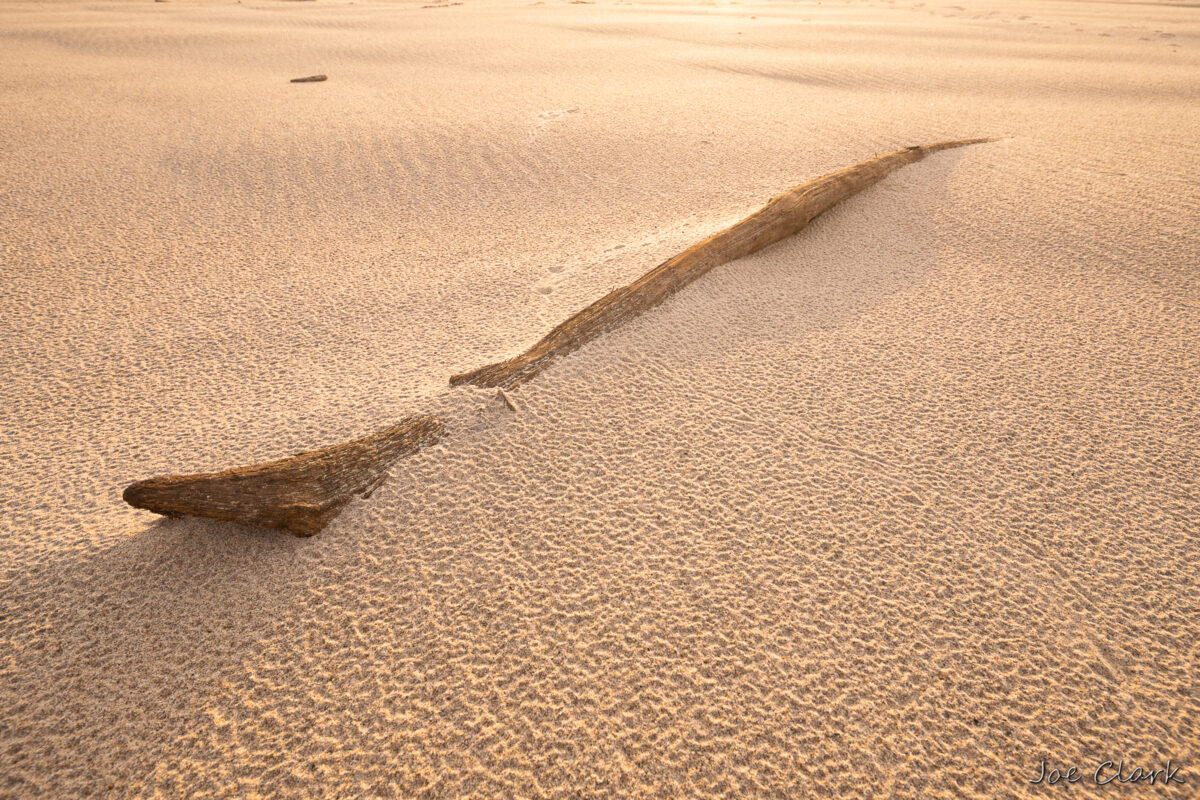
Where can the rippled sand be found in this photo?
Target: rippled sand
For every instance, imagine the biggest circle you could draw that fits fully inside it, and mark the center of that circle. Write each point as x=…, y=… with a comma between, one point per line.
x=898, y=507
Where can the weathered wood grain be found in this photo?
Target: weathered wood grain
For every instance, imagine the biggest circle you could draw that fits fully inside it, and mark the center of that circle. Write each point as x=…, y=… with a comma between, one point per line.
x=300, y=494
x=781, y=217
x=303, y=493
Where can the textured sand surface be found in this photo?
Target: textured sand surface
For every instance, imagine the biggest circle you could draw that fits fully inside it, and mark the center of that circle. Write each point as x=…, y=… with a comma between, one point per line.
x=897, y=507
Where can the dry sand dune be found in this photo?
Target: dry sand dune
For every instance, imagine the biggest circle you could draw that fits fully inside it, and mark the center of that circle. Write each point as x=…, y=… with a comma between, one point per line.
x=897, y=507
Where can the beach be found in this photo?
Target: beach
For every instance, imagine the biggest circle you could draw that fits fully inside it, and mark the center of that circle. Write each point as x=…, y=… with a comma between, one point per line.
x=900, y=506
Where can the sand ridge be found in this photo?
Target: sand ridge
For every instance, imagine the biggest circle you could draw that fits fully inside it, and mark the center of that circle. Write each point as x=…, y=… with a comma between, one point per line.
x=783, y=216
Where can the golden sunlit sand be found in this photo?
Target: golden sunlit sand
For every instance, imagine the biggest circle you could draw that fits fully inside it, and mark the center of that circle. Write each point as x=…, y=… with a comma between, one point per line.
x=904, y=505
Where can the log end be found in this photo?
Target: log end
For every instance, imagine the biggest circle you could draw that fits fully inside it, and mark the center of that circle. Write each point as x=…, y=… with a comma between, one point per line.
x=176, y=496
x=300, y=494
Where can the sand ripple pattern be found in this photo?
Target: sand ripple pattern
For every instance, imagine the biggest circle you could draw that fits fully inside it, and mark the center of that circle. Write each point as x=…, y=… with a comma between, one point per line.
x=895, y=508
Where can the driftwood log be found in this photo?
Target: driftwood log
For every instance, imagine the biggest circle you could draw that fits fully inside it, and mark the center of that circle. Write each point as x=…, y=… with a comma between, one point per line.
x=781, y=217
x=303, y=493
x=300, y=494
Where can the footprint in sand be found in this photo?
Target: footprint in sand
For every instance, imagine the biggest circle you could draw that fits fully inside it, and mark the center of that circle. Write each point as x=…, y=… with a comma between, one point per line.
x=550, y=116
x=547, y=117
x=552, y=283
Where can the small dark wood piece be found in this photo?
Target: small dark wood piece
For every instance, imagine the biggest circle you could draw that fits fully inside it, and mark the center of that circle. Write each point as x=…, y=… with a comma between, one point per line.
x=300, y=494
x=311, y=79
x=783, y=216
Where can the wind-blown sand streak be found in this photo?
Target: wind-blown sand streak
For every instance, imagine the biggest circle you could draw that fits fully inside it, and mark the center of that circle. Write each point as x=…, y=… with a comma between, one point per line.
x=782, y=216
x=303, y=493
x=300, y=494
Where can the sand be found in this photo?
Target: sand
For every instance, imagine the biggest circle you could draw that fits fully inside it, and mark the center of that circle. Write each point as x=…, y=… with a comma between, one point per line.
x=898, y=507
